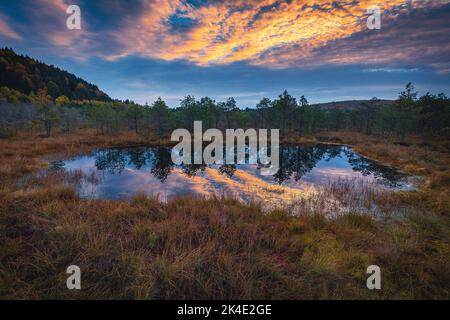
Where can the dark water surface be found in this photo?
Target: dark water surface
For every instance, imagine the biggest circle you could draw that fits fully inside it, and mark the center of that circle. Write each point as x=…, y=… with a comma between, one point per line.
x=123, y=173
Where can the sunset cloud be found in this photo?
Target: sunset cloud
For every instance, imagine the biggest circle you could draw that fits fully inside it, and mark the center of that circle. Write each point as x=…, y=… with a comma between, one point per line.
x=269, y=33
x=420, y=38
x=266, y=33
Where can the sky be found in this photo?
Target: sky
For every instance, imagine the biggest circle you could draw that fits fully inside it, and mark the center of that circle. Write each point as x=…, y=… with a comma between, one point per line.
x=247, y=49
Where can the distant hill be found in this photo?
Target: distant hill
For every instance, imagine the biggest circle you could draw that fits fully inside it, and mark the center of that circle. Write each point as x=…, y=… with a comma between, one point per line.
x=352, y=104
x=27, y=75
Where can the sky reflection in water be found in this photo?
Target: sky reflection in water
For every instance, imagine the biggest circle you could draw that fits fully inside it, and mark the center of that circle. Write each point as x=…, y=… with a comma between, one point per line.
x=123, y=173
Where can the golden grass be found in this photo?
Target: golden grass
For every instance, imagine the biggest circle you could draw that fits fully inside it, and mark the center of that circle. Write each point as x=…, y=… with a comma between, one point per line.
x=218, y=248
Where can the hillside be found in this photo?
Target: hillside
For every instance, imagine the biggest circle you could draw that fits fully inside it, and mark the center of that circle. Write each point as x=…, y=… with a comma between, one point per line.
x=353, y=104
x=27, y=75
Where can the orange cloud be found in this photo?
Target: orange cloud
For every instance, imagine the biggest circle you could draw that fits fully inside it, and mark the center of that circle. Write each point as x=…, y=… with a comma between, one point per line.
x=269, y=33
x=266, y=32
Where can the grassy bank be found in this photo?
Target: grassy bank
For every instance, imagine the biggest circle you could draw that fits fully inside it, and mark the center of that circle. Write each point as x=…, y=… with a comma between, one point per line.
x=219, y=248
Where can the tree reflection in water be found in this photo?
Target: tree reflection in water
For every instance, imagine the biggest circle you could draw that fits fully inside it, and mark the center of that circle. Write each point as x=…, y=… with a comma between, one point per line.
x=295, y=162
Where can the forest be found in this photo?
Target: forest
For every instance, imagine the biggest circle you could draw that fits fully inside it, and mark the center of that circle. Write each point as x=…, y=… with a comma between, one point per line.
x=28, y=75
x=35, y=95
x=427, y=115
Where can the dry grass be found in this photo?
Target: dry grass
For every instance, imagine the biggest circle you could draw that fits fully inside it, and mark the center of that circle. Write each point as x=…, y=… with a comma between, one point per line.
x=219, y=248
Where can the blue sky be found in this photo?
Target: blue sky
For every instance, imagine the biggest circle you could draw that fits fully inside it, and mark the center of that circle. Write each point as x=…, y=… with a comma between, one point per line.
x=141, y=50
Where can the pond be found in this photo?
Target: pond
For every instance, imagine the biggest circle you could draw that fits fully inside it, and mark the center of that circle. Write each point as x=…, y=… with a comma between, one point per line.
x=119, y=173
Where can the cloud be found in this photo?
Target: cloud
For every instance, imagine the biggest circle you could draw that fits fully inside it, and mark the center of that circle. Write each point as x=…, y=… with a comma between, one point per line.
x=45, y=28
x=266, y=33
x=392, y=70
x=418, y=39
x=270, y=33
x=6, y=31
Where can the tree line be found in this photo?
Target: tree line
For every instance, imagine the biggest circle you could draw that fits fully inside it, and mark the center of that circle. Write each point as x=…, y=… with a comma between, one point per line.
x=427, y=115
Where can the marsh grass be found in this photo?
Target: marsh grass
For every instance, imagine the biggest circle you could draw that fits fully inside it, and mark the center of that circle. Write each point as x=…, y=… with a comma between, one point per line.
x=219, y=248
